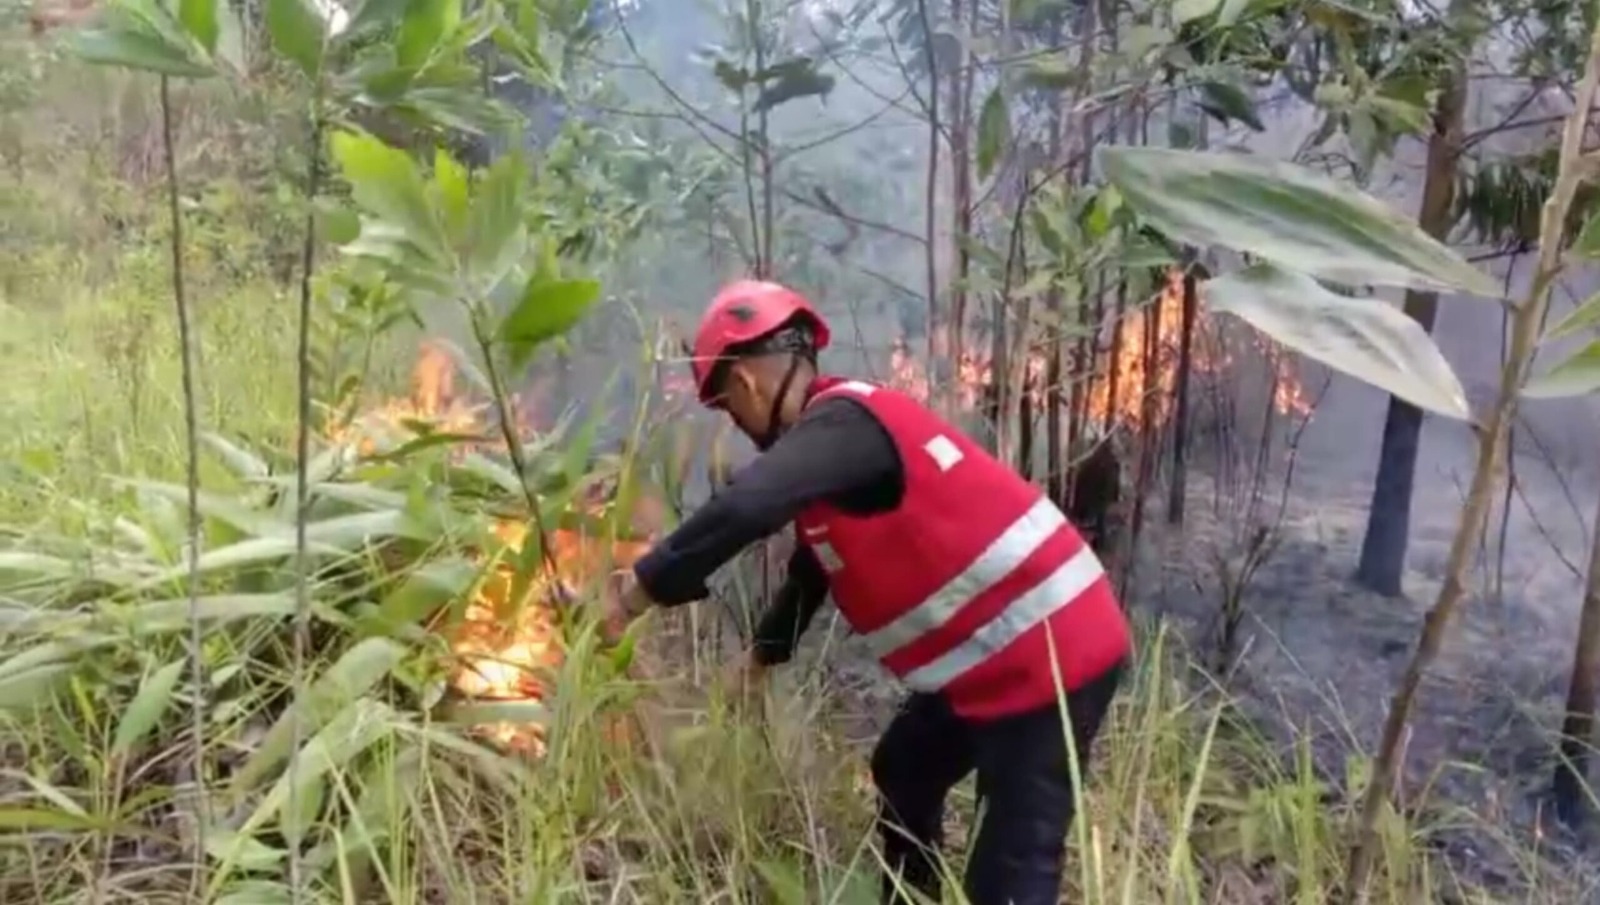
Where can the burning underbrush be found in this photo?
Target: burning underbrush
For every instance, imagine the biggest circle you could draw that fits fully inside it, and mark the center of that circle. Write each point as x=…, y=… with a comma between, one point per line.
x=506, y=638
x=1126, y=377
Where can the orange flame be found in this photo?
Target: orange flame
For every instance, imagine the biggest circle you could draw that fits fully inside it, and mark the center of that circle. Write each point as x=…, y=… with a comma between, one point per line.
x=506, y=649
x=1118, y=391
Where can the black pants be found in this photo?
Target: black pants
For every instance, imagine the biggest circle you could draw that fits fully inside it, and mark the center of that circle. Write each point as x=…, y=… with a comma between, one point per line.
x=1024, y=794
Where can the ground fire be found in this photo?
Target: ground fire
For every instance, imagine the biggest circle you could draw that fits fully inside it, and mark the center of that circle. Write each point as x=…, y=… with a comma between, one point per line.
x=1119, y=387
x=506, y=649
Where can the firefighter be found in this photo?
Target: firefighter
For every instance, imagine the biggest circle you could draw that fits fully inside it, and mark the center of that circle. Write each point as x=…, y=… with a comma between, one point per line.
x=968, y=584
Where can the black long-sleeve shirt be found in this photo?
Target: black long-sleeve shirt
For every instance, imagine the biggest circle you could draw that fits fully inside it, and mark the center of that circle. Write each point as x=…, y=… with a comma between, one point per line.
x=838, y=452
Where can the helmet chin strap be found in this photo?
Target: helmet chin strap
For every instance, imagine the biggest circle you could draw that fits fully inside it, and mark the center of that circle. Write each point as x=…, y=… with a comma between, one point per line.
x=775, y=425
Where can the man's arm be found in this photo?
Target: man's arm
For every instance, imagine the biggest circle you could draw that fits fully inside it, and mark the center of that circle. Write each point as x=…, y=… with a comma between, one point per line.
x=796, y=602
x=837, y=449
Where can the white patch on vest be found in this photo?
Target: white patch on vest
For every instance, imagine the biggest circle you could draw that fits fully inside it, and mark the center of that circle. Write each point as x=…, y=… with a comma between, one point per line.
x=828, y=557
x=854, y=386
x=1059, y=590
x=999, y=559
x=815, y=530
x=944, y=452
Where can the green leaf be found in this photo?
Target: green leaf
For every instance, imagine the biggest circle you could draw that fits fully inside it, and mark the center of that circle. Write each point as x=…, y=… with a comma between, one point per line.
x=136, y=49
x=199, y=17
x=373, y=16
x=1287, y=214
x=146, y=708
x=451, y=184
x=1578, y=375
x=300, y=32
x=994, y=132
x=425, y=590
x=1588, y=242
x=1229, y=103
x=1231, y=11
x=548, y=308
x=1190, y=10
x=425, y=24
x=13, y=818
x=1368, y=339
x=1584, y=317
x=496, y=236
x=28, y=688
x=351, y=731
x=386, y=183
x=364, y=665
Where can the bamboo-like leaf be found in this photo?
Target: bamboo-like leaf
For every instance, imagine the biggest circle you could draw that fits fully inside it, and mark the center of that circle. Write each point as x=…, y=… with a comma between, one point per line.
x=241, y=461
x=243, y=851
x=1189, y=10
x=146, y=708
x=349, y=732
x=426, y=589
x=1287, y=214
x=364, y=665
x=161, y=616
x=14, y=818
x=1584, y=317
x=31, y=687
x=230, y=511
x=1578, y=375
x=1368, y=339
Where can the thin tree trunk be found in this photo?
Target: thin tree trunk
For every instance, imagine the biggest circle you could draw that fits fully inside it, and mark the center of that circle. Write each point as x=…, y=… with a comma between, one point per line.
x=1570, y=787
x=1383, y=548
x=1177, y=488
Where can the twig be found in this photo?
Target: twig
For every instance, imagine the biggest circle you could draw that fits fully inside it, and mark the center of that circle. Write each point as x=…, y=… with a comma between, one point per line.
x=191, y=429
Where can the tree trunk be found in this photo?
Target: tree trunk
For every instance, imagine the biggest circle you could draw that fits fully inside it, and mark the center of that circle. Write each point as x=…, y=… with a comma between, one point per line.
x=1383, y=549
x=1570, y=787
x=1178, y=487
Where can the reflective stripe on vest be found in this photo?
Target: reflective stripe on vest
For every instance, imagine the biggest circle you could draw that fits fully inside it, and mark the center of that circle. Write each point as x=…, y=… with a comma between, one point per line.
x=1002, y=557
x=1024, y=537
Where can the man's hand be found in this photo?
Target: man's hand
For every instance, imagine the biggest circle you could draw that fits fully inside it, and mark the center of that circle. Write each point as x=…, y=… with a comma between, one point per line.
x=621, y=602
x=743, y=678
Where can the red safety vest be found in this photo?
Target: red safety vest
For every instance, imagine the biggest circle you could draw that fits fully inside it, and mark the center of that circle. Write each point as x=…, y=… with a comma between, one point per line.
x=967, y=586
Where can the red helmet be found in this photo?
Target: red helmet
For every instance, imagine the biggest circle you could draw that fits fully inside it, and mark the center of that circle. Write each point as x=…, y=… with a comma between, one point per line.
x=746, y=310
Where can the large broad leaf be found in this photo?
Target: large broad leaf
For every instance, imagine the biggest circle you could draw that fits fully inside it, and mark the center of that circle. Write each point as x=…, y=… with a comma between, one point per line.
x=126, y=44
x=299, y=30
x=1579, y=375
x=386, y=183
x=1366, y=338
x=425, y=24
x=547, y=309
x=496, y=237
x=1287, y=214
